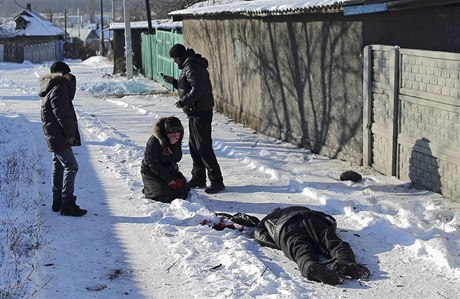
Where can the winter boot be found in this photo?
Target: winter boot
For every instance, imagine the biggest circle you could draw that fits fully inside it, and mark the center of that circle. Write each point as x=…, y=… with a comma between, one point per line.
x=317, y=272
x=56, y=205
x=350, y=269
x=195, y=183
x=215, y=188
x=70, y=208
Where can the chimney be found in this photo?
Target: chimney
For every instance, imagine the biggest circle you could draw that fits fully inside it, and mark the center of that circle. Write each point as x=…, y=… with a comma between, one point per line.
x=29, y=7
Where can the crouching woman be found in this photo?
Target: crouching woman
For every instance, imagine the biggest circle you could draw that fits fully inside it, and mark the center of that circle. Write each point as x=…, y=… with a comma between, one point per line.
x=160, y=173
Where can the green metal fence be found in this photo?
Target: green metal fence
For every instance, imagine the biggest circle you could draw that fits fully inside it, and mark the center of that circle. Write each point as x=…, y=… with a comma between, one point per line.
x=155, y=55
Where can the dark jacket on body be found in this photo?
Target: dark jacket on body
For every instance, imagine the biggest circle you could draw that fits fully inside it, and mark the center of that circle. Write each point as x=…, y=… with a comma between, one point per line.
x=159, y=166
x=267, y=232
x=59, y=120
x=194, y=85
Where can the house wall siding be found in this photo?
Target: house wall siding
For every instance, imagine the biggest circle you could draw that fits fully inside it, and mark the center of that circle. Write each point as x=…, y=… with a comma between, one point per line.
x=232, y=48
x=435, y=28
x=312, y=83
x=298, y=79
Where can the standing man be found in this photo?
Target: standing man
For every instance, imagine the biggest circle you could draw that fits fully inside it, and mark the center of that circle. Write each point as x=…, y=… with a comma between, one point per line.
x=59, y=122
x=196, y=100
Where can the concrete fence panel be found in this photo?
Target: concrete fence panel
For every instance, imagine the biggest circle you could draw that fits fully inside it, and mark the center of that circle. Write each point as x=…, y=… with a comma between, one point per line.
x=412, y=116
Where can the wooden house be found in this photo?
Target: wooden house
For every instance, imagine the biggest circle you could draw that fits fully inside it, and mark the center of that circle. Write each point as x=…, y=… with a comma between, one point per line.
x=33, y=39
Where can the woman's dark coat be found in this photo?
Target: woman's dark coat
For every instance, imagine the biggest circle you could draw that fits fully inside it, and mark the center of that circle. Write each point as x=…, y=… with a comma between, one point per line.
x=59, y=120
x=159, y=166
x=194, y=85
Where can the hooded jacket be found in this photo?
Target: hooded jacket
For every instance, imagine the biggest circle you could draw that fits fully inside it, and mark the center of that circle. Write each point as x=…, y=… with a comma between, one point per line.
x=161, y=157
x=194, y=85
x=59, y=120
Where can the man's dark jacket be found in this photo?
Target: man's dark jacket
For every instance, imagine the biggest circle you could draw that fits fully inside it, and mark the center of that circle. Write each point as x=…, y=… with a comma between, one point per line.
x=59, y=120
x=267, y=232
x=194, y=85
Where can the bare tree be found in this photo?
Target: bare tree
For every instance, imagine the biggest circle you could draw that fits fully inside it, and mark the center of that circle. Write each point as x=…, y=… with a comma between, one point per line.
x=161, y=8
x=90, y=9
x=48, y=15
x=137, y=10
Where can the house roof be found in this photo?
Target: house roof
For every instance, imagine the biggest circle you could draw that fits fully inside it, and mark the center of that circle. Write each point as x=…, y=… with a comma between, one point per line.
x=259, y=7
x=159, y=24
x=37, y=25
x=284, y=7
x=4, y=33
x=370, y=6
x=95, y=33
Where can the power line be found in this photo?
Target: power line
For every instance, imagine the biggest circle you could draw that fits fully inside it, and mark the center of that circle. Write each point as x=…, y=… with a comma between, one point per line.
x=19, y=4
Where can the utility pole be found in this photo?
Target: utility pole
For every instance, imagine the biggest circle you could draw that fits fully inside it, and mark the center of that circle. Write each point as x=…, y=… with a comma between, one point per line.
x=78, y=22
x=65, y=25
x=128, y=47
x=102, y=28
x=149, y=17
x=113, y=10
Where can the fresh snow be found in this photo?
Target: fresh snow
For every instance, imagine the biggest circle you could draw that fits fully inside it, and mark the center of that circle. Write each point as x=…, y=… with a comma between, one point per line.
x=129, y=247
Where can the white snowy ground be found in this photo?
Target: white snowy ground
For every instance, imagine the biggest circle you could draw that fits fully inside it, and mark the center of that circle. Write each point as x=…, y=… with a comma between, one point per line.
x=127, y=247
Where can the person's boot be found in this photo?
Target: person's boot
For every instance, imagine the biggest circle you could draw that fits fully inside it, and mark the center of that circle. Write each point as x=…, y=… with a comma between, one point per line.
x=70, y=208
x=195, y=183
x=56, y=205
x=215, y=188
x=350, y=269
x=317, y=272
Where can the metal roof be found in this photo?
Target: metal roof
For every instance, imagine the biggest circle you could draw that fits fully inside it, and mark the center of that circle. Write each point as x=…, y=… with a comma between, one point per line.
x=352, y=7
x=260, y=7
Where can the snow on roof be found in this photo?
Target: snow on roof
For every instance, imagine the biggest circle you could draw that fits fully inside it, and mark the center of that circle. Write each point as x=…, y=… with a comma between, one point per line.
x=258, y=7
x=159, y=24
x=4, y=32
x=38, y=26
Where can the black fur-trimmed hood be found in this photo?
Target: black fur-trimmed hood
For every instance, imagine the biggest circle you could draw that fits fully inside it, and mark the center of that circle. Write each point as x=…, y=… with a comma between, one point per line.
x=159, y=132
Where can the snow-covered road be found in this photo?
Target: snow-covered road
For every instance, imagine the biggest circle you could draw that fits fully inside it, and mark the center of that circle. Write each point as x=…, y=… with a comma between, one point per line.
x=127, y=246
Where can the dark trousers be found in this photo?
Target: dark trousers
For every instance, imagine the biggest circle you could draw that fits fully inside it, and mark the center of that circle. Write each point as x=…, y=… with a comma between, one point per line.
x=201, y=150
x=305, y=237
x=157, y=189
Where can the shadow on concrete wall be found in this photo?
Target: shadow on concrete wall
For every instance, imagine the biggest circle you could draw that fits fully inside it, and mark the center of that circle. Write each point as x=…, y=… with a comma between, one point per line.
x=424, y=167
x=299, y=80
x=308, y=73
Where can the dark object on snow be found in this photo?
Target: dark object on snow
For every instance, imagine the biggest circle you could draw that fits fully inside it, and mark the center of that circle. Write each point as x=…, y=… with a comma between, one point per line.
x=350, y=175
x=241, y=219
x=304, y=235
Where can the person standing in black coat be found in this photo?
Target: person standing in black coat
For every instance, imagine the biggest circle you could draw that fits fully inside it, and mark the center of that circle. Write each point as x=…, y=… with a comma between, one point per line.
x=59, y=122
x=303, y=235
x=196, y=100
x=160, y=173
